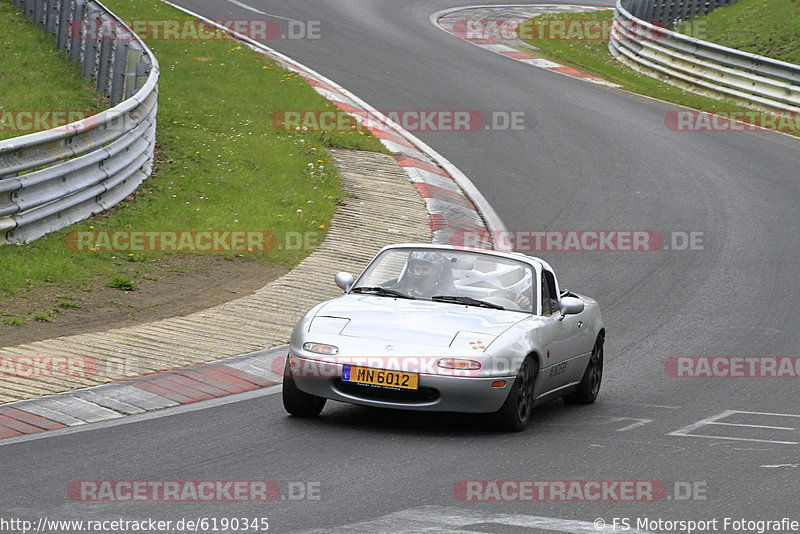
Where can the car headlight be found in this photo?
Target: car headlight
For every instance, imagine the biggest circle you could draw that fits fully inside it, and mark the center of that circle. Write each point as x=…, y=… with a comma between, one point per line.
x=321, y=348
x=456, y=363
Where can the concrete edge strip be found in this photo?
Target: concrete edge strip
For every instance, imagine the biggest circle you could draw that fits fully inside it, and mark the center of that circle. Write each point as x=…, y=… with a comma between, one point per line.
x=502, y=49
x=141, y=394
x=146, y=415
x=454, y=205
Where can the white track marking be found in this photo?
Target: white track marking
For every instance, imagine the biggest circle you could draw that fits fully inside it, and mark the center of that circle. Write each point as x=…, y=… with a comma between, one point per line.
x=637, y=423
x=714, y=420
x=254, y=10
x=245, y=6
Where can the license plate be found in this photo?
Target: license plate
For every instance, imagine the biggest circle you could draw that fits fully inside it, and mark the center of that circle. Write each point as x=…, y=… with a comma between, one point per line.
x=380, y=377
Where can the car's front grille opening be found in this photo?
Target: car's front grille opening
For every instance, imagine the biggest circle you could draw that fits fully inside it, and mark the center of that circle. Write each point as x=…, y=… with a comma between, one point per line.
x=367, y=392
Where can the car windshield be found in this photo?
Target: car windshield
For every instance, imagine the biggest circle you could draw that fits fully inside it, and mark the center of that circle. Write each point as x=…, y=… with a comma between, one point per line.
x=458, y=277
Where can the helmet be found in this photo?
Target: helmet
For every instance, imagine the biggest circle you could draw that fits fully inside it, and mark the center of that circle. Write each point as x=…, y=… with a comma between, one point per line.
x=424, y=269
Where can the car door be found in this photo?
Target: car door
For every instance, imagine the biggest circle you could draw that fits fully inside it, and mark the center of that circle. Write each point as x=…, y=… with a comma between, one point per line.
x=561, y=366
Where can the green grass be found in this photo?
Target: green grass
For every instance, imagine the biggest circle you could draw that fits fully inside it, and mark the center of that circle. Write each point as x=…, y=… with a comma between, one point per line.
x=35, y=77
x=65, y=301
x=119, y=281
x=591, y=55
x=12, y=320
x=45, y=316
x=768, y=28
x=221, y=165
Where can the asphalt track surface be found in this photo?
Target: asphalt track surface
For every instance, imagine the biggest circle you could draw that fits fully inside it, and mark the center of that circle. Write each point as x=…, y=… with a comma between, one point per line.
x=590, y=158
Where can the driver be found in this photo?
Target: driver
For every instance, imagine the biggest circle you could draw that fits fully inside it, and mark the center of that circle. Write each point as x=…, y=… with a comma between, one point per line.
x=424, y=275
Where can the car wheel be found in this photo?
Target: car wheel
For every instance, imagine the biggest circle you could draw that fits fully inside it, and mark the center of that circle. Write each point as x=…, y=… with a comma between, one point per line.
x=296, y=402
x=516, y=411
x=590, y=383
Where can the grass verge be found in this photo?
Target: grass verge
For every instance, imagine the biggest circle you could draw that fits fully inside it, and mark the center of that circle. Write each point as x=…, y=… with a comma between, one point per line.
x=220, y=163
x=768, y=28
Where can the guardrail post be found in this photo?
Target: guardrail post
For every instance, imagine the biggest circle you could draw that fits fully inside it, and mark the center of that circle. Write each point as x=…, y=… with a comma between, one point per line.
x=667, y=14
x=51, y=16
x=685, y=11
x=38, y=12
x=120, y=71
x=696, y=6
x=89, y=37
x=75, y=31
x=28, y=8
x=649, y=10
x=63, y=24
x=104, y=63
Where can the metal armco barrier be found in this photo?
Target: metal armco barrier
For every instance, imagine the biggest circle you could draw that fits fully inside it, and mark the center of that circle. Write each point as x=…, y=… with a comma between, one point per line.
x=755, y=80
x=54, y=178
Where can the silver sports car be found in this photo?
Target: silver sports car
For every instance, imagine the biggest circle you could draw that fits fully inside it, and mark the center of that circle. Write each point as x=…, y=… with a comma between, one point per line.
x=438, y=328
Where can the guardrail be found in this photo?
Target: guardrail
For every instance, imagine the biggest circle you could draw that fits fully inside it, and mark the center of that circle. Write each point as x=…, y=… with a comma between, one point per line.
x=54, y=178
x=670, y=13
x=652, y=48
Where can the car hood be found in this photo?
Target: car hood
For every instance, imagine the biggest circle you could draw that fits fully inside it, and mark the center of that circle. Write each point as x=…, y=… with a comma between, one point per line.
x=418, y=321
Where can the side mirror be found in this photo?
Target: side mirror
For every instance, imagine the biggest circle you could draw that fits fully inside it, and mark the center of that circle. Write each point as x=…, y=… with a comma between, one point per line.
x=571, y=306
x=345, y=281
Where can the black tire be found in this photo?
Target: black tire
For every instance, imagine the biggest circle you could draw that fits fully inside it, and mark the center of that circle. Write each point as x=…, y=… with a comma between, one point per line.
x=296, y=402
x=516, y=411
x=590, y=383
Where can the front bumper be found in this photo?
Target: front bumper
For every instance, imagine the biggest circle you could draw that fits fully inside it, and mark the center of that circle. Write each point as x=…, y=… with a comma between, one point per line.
x=436, y=393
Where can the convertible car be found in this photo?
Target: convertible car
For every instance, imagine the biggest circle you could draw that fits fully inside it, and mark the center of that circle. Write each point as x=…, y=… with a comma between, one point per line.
x=438, y=328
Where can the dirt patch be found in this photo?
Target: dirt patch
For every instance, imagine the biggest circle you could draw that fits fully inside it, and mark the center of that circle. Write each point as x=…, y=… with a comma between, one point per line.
x=167, y=287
